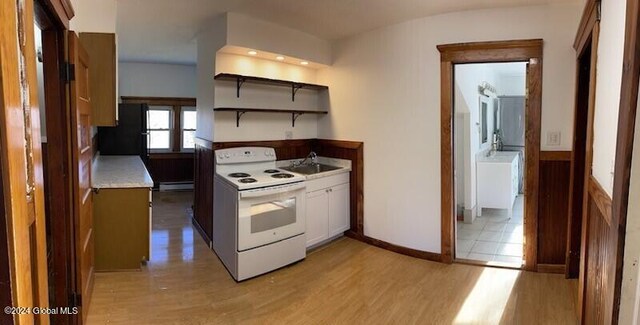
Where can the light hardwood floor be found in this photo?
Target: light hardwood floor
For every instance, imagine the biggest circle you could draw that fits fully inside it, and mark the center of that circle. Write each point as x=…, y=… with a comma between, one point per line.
x=345, y=282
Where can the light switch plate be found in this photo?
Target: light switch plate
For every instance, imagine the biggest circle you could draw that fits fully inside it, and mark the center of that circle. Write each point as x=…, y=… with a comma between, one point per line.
x=553, y=138
x=288, y=135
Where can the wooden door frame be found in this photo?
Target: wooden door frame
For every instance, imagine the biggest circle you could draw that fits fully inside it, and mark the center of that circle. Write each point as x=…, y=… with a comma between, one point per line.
x=21, y=160
x=587, y=36
x=491, y=52
x=56, y=15
x=624, y=143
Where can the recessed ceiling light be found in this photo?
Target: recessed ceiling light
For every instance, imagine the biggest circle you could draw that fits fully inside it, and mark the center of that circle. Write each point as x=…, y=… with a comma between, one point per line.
x=252, y=52
x=280, y=58
x=304, y=63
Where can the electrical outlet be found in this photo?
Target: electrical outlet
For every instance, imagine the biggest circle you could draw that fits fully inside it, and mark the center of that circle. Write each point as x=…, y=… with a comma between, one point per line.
x=553, y=138
x=288, y=135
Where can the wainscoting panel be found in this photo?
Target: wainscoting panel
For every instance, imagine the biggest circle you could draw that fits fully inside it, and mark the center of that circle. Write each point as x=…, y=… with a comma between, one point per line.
x=553, y=206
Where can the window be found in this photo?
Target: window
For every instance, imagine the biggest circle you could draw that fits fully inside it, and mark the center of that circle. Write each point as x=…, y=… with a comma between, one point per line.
x=171, y=123
x=188, y=128
x=159, y=126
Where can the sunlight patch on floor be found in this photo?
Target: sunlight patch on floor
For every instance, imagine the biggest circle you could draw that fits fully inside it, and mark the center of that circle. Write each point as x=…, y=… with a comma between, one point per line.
x=488, y=299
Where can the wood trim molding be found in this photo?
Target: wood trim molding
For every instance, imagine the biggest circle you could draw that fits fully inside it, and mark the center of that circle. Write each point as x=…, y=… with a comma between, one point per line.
x=601, y=198
x=499, y=51
x=170, y=155
x=62, y=10
x=487, y=52
x=590, y=15
x=395, y=248
x=555, y=155
x=624, y=146
x=551, y=268
x=164, y=101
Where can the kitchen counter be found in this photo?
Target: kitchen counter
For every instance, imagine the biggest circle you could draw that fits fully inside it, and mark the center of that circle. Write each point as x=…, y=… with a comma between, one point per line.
x=120, y=172
x=345, y=166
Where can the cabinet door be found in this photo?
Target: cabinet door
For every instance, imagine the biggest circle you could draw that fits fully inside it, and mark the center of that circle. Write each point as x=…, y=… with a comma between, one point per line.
x=317, y=223
x=338, y=209
x=102, y=81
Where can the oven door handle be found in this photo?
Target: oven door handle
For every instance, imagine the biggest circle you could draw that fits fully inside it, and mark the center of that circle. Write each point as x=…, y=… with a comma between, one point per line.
x=272, y=190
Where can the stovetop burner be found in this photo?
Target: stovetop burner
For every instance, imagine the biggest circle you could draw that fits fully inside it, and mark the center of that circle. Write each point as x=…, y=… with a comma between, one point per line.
x=271, y=171
x=281, y=175
x=247, y=180
x=239, y=175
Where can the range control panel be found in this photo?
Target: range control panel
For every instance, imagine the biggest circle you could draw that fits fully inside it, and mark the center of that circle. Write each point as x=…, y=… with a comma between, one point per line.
x=244, y=155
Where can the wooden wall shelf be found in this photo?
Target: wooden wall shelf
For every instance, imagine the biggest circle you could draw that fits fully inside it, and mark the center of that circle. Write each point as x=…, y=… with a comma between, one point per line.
x=241, y=79
x=294, y=113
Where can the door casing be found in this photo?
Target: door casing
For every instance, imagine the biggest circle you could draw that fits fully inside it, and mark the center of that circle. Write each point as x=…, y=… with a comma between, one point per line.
x=491, y=52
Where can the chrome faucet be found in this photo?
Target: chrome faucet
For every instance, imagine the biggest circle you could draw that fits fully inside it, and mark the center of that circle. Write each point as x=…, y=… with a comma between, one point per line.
x=312, y=155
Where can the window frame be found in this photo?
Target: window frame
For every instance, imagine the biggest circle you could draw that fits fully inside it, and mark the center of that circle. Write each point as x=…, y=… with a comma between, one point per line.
x=170, y=129
x=184, y=109
x=176, y=105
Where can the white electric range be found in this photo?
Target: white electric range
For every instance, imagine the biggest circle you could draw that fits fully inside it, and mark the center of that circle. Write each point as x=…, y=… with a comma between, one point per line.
x=258, y=212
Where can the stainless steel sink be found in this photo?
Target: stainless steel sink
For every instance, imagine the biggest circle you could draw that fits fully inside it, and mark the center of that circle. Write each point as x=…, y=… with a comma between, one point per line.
x=310, y=169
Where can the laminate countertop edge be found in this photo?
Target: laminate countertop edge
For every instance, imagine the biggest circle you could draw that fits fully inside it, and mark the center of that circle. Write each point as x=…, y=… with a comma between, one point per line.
x=120, y=172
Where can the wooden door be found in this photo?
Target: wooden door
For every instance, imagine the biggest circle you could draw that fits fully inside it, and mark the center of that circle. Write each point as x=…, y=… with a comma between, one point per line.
x=81, y=159
x=21, y=161
x=599, y=232
x=578, y=161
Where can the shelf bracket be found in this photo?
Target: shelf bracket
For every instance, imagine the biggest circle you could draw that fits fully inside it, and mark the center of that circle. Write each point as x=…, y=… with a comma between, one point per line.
x=239, y=83
x=294, y=117
x=238, y=116
x=294, y=89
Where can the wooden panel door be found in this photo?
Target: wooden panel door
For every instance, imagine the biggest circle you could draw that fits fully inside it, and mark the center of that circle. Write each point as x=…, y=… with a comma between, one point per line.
x=21, y=161
x=599, y=231
x=81, y=159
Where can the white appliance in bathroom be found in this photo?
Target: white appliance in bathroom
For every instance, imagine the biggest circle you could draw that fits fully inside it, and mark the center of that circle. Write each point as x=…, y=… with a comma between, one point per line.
x=258, y=212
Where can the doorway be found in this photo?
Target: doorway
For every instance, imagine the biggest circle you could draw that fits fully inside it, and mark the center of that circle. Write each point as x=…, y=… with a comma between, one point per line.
x=452, y=56
x=489, y=151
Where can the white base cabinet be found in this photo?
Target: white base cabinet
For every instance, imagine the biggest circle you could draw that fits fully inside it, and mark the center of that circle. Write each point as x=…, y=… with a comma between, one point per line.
x=327, y=208
x=497, y=182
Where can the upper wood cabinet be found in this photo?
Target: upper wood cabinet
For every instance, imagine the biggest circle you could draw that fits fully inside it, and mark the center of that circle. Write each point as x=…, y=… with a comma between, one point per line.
x=102, y=55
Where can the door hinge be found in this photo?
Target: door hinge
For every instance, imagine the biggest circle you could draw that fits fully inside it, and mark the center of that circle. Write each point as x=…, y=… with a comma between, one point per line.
x=75, y=300
x=68, y=72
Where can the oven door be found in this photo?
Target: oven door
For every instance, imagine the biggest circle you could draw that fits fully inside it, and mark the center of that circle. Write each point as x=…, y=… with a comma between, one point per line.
x=270, y=214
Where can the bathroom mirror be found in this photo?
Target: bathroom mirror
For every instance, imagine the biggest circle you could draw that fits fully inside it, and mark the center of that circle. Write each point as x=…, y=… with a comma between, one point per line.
x=484, y=115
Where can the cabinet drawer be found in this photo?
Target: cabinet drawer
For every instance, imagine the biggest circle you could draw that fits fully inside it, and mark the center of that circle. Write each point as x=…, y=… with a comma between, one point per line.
x=325, y=182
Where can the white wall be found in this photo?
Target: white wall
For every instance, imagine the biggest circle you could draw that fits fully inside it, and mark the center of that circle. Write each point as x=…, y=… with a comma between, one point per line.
x=609, y=78
x=512, y=86
x=264, y=126
x=467, y=78
x=385, y=91
x=98, y=16
x=157, y=80
x=211, y=38
x=245, y=31
x=237, y=30
x=630, y=299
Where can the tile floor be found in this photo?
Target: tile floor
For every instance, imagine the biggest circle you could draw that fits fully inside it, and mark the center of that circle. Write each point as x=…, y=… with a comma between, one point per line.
x=493, y=237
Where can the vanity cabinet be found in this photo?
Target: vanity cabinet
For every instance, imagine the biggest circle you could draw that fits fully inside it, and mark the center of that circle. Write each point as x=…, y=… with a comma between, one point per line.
x=497, y=179
x=327, y=208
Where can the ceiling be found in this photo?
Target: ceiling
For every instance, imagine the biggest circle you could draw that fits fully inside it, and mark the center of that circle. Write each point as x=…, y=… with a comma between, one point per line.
x=165, y=30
